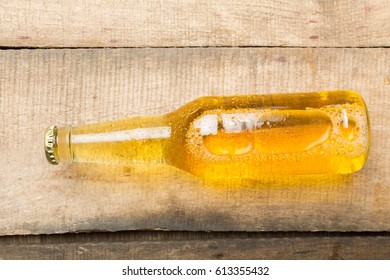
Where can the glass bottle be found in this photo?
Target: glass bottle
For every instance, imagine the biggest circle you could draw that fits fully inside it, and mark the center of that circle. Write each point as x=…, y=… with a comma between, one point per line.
x=230, y=137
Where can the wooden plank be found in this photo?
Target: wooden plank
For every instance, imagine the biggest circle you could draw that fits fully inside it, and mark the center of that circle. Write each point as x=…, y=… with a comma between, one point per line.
x=307, y=248
x=43, y=87
x=94, y=23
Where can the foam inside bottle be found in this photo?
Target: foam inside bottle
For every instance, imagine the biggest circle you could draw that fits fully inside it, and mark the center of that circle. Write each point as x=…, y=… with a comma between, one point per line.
x=249, y=142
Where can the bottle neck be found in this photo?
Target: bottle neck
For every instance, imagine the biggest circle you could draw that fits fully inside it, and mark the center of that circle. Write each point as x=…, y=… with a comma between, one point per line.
x=134, y=141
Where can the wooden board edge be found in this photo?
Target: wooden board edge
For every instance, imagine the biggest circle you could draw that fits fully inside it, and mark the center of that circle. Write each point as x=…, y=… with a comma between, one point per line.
x=260, y=248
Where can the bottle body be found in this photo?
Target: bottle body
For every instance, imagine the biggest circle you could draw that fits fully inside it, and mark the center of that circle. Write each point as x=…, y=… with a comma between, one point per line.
x=249, y=136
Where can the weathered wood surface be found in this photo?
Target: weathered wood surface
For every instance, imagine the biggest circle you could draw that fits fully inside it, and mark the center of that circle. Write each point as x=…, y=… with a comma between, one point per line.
x=43, y=87
x=125, y=23
x=309, y=247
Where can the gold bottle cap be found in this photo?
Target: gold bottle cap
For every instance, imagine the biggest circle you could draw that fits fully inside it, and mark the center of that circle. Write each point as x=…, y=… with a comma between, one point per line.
x=51, y=145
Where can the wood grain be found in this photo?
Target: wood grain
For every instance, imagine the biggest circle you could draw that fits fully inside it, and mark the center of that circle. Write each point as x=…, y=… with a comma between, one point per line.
x=43, y=87
x=285, y=248
x=155, y=23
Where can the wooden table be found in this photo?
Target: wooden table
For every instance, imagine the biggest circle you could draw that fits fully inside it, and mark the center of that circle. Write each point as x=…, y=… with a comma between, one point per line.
x=63, y=62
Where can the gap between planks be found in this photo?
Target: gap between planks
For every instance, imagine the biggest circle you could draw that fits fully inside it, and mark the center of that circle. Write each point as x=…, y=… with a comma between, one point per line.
x=195, y=47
